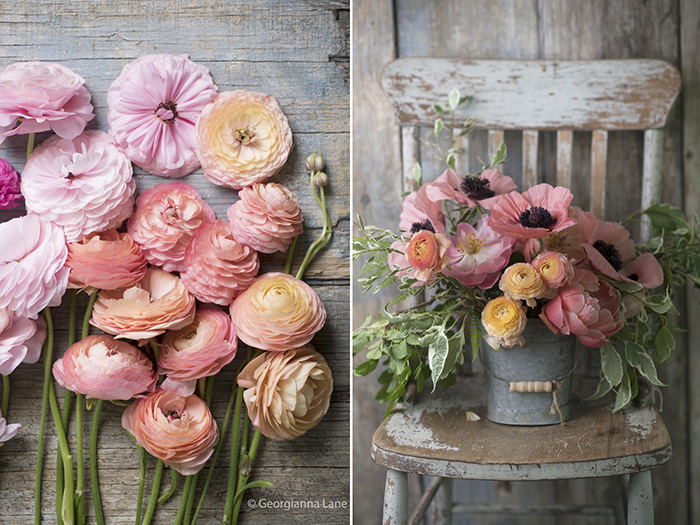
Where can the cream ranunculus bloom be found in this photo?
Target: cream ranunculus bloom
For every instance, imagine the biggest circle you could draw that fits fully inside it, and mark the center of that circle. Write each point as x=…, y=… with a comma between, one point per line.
x=521, y=281
x=504, y=321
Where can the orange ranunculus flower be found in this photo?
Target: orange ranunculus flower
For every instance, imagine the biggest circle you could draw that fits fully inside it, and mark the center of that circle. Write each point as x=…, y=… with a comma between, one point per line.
x=427, y=253
x=278, y=312
x=287, y=392
x=504, y=320
x=522, y=281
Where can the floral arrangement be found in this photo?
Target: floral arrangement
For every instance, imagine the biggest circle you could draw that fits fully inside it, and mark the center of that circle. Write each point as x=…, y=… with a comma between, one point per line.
x=481, y=259
x=171, y=288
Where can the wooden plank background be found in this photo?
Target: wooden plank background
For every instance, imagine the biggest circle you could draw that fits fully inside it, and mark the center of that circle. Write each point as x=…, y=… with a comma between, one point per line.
x=534, y=29
x=297, y=51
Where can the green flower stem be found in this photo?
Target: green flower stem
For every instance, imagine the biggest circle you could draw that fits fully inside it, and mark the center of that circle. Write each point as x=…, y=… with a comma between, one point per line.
x=233, y=472
x=325, y=234
x=209, y=390
x=154, y=493
x=79, y=458
x=71, y=318
x=173, y=484
x=143, y=459
x=183, y=500
x=48, y=348
x=30, y=144
x=88, y=314
x=190, y=499
x=156, y=351
x=243, y=479
x=95, y=483
x=5, y=395
x=290, y=255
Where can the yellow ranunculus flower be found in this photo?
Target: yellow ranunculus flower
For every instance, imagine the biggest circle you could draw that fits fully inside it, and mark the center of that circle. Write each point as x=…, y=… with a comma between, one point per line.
x=504, y=321
x=521, y=281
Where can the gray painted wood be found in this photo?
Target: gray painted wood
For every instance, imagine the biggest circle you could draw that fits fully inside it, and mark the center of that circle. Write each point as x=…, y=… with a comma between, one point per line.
x=297, y=51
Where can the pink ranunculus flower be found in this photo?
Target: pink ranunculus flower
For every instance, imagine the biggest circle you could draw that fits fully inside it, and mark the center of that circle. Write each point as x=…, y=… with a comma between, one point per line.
x=38, y=96
x=105, y=261
x=153, y=107
x=242, y=137
x=278, y=312
x=165, y=219
x=217, y=267
x=32, y=272
x=179, y=430
x=287, y=393
x=157, y=303
x=102, y=367
x=84, y=184
x=10, y=194
x=20, y=341
x=554, y=268
x=487, y=187
x=266, y=218
x=200, y=349
x=426, y=253
x=421, y=213
x=7, y=432
x=478, y=255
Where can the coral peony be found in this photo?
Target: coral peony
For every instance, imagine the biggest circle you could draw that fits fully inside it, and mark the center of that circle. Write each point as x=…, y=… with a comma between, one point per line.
x=9, y=186
x=105, y=261
x=165, y=219
x=84, y=184
x=287, y=393
x=469, y=190
x=427, y=254
x=153, y=305
x=278, y=312
x=217, y=267
x=554, y=268
x=419, y=212
x=102, y=367
x=521, y=281
x=179, y=430
x=504, y=321
x=7, y=432
x=153, y=107
x=38, y=96
x=20, y=341
x=32, y=275
x=242, y=137
x=266, y=218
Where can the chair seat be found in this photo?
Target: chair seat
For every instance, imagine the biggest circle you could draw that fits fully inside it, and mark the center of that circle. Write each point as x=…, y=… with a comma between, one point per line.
x=435, y=438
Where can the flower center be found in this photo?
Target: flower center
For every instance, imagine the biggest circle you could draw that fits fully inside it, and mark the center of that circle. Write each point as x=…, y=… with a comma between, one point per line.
x=611, y=254
x=471, y=245
x=245, y=135
x=537, y=217
x=171, y=214
x=425, y=225
x=172, y=415
x=166, y=111
x=476, y=188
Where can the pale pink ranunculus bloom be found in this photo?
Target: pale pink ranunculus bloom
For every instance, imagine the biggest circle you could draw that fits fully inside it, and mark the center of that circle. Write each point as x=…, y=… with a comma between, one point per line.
x=485, y=188
x=38, y=96
x=287, y=393
x=554, y=268
x=153, y=107
x=217, y=267
x=32, y=272
x=7, y=432
x=278, y=312
x=20, y=341
x=266, y=218
x=420, y=212
x=10, y=194
x=165, y=219
x=157, y=303
x=179, y=430
x=83, y=184
x=102, y=367
x=242, y=137
x=200, y=349
x=105, y=261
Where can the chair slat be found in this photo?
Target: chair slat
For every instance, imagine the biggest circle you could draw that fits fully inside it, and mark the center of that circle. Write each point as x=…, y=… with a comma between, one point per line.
x=599, y=155
x=495, y=141
x=410, y=154
x=564, y=146
x=651, y=178
x=530, y=139
x=462, y=145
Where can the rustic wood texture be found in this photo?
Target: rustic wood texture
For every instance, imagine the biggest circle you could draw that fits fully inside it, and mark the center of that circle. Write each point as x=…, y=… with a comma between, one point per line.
x=297, y=51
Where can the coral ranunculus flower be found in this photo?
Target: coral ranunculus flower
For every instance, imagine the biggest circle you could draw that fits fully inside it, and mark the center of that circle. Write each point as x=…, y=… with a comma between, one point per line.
x=278, y=312
x=287, y=393
x=179, y=430
x=153, y=107
x=102, y=367
x=84, y=185
x=427, y=254
x=10, y=194
x=165, y=219
x=38, y=96
x=242, y=137
x=266, y=218
x=504, y=320
x=20, y=341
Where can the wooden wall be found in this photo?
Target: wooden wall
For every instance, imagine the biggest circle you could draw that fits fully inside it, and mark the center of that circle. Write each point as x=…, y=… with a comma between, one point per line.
x=531, y=29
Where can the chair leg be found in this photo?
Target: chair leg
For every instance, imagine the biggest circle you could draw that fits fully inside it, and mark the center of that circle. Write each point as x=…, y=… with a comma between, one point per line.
x=396, y=498
x=640, y=499
x=442, y=504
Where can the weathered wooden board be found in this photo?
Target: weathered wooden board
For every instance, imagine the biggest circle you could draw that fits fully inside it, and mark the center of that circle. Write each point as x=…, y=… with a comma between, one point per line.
x=297, y=51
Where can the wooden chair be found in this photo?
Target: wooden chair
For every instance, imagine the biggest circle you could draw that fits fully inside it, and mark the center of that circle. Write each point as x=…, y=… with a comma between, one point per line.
x=434, y=437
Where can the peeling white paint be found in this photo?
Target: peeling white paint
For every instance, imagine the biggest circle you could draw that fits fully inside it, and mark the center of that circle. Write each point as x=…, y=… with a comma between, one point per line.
x=409, y=431
x=641, y=422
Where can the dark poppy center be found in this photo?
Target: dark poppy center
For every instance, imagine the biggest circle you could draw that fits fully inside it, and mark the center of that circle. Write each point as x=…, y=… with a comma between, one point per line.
x=476, y=188
x=425, y=225
x=537, y=217
x=163, y=109
x=611, y=254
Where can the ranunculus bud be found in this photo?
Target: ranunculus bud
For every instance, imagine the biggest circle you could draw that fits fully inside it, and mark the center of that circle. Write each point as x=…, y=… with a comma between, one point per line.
x=504, y=321
x=314, y=162
x=320, y=179
x=521, y=281
x=287, y=393
x=427, y=253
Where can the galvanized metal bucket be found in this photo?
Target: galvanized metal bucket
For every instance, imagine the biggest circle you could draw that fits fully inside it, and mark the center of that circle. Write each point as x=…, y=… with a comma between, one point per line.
x=530, y=385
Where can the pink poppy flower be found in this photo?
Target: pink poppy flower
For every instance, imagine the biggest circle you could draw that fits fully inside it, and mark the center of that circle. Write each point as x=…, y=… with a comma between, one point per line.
x=7, y=432
x=469, y=190
x=165, y=219
x=217, y=267
x=20, y=341
x=38, y=96
x=153, y=107
x=421, y=213
x=536, y=213
x=32, y=272
x=84, y=185
x=9, y=186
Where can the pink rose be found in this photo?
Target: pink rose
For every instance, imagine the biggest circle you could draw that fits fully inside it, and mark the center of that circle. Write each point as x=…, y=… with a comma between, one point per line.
x=20, y=341
x=266, y=218
x=427, y=254
x=9, y=186
x=218, y=268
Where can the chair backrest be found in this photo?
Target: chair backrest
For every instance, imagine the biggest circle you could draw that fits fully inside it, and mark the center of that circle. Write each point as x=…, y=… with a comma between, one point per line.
x=533, y=95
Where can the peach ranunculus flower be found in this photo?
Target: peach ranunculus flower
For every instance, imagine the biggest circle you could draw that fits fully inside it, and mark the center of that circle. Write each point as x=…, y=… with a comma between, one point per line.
x=165, y=220
x=554, y=268
x=427, y=253
x=522, y=281
x=278, y=312
x=102, y=367
x=287, y=393
x=105, y=261
x=504, y=320
x=198, y=350
x=266, y=218
x=157, y=303
x=217, y=267
x=179, y=430
x=242, y=137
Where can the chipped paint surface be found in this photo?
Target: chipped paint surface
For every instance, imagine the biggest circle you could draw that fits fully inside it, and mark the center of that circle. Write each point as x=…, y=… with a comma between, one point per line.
x=641, y=422
x=408, y=431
